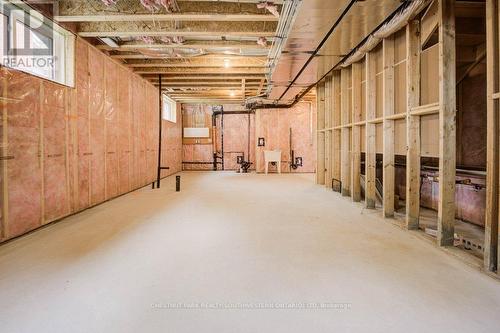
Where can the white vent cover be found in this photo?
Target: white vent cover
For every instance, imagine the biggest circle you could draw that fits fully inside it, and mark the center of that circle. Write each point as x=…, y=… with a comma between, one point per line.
x=196, y=132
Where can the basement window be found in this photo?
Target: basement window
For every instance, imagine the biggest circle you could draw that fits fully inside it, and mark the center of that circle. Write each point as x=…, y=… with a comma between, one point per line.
x=169, y=109
x=3, y=29
x=34, y=44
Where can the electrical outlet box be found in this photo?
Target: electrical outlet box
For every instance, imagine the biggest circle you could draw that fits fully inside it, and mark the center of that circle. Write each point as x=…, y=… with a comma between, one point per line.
x=239, y=159
x=261, y=142
x=298, y=161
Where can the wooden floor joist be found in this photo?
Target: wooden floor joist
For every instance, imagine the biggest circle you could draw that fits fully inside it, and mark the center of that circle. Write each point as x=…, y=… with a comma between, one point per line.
x=447, y=123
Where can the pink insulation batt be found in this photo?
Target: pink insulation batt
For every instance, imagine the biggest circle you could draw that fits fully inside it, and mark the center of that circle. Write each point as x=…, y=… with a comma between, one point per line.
x=72, y=148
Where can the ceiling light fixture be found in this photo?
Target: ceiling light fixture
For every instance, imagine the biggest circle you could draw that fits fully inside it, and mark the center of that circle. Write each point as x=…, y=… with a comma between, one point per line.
x=227, y=64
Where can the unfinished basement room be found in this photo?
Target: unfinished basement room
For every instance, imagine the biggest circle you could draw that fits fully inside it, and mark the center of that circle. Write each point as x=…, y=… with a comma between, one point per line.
x=249, y=166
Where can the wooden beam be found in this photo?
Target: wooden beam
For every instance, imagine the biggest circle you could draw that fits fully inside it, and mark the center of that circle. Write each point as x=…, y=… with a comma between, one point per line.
x=205, y=85
x=425, y=110
x=429, y=23
x=370, y=156
x=345, y=141
x=213, y=77
x=320, y=159
x=188, y=65
x=447, y=123
x=357, y=69
x=491, y=239
x=336, y=147
x=201, y=71
x=171, y=33
x=220, y=45
x=167, y=17
x=4, y=194
x=237, y=57
x=328, y=112
x=413, y=50
x=388, y=129
x=244, y=89
x=261, y=86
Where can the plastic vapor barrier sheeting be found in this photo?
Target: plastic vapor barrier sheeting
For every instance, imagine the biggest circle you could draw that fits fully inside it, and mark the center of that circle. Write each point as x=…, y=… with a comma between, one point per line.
x=65, y=149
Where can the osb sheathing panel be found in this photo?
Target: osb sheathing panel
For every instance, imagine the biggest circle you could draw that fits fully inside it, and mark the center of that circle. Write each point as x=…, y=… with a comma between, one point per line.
x=363, y=99
x=429, y=75
x=400, y=45
x=362, y=134
x=379, y=95
x=274, y=125
x=379, y=138
x=400, y=137
x=71, y=148
x=400, y=103
x=471, y=131
x=429, y=137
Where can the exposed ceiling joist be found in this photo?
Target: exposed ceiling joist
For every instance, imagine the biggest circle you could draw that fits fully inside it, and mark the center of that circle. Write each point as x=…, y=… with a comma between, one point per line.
x=183, y=29
x=223, y=54
x=167, y=17
x=208, y=56
x=213, y=77
x=216, y=71
x=261, y=86
x=196, y=65
x=181, y=33
x=208, y=84
x=198, y=45
x=278, y=2
x=214, y=91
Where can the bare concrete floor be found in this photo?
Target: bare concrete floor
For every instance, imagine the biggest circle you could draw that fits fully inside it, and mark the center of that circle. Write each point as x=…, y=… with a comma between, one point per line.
x=230, y=240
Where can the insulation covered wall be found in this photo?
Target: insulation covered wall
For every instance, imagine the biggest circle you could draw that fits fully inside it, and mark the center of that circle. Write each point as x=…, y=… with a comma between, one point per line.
x=197, y=150
x=65, y=149
x=274, y=126
x=239, y=136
